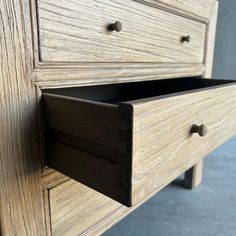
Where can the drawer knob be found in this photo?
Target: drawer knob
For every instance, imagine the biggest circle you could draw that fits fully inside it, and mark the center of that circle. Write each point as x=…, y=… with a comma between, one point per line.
x=117, y=26
x=200, y=129
x=186, y=39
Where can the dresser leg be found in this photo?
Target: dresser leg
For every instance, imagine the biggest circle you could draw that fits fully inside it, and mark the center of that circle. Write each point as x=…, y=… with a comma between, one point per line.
x=193, y=176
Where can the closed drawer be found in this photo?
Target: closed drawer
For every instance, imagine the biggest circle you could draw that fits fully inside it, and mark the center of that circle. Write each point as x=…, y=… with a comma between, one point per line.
x=129, y=140
x=78, y=31
x=75, y=209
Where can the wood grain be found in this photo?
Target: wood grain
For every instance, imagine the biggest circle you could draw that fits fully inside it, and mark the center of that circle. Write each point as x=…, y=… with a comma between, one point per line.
x=72, y=31
x=71, y=215
x=220, y=128
x=193, y=177
x=21, y=206
x=210, y=41
x=50, y=78
x=97, y=173
x=82, y=141
x=99, y=138
x=192, y=8
x=162, y=143
x=21, y=199
x=97, y=123
x=57, y=77
x=98, y=225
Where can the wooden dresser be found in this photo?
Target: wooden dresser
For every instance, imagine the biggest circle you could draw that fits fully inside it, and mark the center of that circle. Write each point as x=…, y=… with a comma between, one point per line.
x=103, y=103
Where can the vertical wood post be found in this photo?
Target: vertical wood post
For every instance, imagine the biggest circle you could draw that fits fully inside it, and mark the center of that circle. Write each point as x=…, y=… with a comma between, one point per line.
x=21, y=206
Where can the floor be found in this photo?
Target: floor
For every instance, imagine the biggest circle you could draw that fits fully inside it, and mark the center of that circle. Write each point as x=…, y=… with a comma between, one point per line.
x=205, y=211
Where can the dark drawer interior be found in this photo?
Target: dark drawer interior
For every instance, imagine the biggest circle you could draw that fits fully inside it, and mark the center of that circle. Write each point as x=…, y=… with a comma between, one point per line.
x=116, y=93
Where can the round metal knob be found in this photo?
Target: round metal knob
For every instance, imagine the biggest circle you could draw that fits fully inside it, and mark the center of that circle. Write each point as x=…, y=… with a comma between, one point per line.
x=200, y=129
x=117, y=26
x=186, y=39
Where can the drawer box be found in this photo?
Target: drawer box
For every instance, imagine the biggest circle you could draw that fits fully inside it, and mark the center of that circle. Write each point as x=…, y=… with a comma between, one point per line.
x=129, y=140
x=78, y=31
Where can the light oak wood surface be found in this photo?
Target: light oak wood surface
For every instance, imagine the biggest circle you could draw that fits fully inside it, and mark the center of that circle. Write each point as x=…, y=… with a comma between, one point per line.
x=162, y=143
x=143, y=144
x=27, y=197
x=71, y=215
x=21, y=206
x=200, y=9
x=193, y=177
x=72, y=31
x=56, y=77
x=210, y=41
x=105, y=74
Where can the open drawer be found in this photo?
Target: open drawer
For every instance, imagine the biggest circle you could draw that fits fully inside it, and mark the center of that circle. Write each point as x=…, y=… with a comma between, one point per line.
x=129, y=140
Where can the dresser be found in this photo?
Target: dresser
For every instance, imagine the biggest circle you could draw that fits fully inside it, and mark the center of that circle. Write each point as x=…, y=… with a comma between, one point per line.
x=103, y=103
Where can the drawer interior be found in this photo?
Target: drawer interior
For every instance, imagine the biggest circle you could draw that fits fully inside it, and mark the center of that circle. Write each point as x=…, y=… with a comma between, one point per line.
x=117, y=93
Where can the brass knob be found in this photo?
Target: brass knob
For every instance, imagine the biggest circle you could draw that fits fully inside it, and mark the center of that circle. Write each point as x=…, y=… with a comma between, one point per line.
x=186, y=39
x=117, y=26
x=200, y=129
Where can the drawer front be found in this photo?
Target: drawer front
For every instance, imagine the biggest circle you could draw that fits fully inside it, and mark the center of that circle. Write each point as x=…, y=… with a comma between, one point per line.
x=139, y=135
x=163, y=144
x=77, y=31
